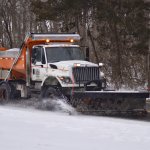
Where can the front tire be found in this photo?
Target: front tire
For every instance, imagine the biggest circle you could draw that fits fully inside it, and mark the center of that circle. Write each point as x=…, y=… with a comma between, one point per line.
x=51, y=92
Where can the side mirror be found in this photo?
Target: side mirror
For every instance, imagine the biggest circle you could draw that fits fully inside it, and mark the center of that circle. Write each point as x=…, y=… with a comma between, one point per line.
x=87, y=54
x=33, y=59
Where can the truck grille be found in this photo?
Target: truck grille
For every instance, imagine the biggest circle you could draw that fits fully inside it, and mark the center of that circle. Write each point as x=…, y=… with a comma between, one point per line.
x=85, y=74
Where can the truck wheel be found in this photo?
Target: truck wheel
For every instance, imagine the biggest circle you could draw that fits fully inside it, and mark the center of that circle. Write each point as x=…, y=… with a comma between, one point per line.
x=5, y=93
x=51, y=92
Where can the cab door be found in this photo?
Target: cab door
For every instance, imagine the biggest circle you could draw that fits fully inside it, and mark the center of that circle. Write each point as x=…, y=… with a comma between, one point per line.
x=38, y=64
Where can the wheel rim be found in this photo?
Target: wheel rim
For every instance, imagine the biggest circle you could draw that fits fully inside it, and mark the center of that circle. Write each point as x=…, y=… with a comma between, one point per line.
x=51, y=95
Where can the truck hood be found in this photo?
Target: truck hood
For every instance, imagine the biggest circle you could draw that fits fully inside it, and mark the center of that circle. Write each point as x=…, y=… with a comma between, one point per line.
x=71, y=63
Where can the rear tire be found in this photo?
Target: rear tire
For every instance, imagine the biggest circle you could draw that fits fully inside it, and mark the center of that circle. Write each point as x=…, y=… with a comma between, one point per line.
x=5, y=93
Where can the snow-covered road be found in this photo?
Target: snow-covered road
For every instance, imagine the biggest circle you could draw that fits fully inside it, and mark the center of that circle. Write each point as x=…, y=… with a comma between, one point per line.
x=30, y=129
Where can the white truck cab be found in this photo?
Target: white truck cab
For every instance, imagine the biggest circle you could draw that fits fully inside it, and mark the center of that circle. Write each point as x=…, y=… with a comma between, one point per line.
x=62, y=64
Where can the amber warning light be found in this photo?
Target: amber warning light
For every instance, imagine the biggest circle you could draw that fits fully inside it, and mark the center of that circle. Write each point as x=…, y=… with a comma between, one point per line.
x=60, y=41
x=72, y=40
x=47, y=41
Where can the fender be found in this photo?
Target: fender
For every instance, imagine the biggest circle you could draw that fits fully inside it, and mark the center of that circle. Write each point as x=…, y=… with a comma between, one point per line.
x=51, y=80
x=4, y=82
x=1, y=82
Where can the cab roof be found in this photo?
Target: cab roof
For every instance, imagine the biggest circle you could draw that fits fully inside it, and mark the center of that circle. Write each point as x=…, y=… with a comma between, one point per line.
x=57, y=45
x=53, y=37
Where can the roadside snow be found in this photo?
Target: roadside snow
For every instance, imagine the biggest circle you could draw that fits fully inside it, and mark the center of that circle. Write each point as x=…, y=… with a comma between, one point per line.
x=29, y=129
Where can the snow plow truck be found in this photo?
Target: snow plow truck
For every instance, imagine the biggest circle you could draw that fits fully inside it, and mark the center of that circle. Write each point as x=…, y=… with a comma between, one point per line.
x=54, y=66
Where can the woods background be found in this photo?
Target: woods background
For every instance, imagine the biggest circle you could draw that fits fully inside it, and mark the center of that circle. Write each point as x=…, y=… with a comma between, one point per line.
x=117, y=31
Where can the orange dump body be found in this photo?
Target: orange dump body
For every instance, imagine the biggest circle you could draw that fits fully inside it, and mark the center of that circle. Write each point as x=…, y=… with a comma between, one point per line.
x=19, y=69
x=6, y=63
x=3, y=49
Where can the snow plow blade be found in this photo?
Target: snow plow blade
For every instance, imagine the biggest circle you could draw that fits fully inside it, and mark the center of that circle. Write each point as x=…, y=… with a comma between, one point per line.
x=111, y=102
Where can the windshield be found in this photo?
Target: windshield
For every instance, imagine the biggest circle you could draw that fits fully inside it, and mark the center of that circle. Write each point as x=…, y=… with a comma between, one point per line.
x=55, y=54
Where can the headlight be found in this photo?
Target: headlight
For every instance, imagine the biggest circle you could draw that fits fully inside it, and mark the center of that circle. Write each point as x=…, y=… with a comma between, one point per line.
x=65, y=79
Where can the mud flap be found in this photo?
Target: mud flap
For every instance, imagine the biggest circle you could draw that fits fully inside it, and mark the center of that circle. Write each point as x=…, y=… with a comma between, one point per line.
x=110, y=102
